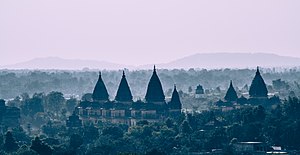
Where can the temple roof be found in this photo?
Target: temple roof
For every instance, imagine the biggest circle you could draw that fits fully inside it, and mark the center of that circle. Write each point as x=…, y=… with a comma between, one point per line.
x=175, y=102
x=154, y=91
x=231, y=93
x=258, y=87
x=124, y=93
x=100, y=92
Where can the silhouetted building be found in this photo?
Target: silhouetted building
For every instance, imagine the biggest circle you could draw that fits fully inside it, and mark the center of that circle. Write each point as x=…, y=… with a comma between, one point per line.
x=258, y=91
x=250, y=148
x=258, y=87
x=124, y=93
x=100, y=92
x=175, y=105
x=155, y=93
x=124, y=110
x=73, y=121
x=9, y=116
x=231, y=95
x=242, y=100
x=199, y=89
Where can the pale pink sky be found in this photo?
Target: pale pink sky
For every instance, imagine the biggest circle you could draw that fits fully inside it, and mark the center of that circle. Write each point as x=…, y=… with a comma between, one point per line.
x=142, y=32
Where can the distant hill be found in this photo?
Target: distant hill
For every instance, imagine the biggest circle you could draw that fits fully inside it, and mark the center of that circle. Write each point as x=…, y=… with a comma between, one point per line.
x=231, y=60
x=68, y=64
x=209, y=61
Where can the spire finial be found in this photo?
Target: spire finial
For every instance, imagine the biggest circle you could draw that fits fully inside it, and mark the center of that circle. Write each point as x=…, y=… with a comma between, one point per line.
x=231, y=83
x=174, y=86
x=123, y=73
x=99, y=73
x=154, y=69
x=257, y=70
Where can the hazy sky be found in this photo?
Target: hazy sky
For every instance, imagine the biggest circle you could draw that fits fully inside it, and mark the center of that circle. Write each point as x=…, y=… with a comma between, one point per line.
x=145, y=31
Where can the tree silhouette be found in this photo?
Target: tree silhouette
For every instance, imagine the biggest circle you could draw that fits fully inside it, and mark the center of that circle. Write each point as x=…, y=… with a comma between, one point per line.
x=75, y=141
x=10, y=143
x=41, y=148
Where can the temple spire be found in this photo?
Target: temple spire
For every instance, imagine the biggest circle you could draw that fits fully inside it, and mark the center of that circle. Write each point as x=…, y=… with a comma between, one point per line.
x=100, y=92
x=154, y=90
x=123, y=93
x=231, y=95
x=258, y=86
x=257, y=70
x=175, y=102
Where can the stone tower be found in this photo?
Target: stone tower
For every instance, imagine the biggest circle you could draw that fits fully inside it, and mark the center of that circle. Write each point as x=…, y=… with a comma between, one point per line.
x=231, y=95
x=258, y=87
x=100, y=92
x=155, y=92
x=124, y=93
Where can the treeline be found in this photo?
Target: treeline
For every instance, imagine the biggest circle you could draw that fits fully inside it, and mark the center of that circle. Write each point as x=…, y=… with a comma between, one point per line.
x=192, y=132
x=13, y=83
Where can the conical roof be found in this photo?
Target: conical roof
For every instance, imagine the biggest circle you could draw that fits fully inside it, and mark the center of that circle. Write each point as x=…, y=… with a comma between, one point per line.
x=100, y=92
x=231, y=93
x=154, y=91
x=175, y=102
x=124, y=93
x=258, y=87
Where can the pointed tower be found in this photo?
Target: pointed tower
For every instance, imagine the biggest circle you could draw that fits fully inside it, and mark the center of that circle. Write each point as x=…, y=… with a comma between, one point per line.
x=154, y=91
x=231, y=95
x=258, y=87
x=100, y=92
x=124, y=93
x=175, y=102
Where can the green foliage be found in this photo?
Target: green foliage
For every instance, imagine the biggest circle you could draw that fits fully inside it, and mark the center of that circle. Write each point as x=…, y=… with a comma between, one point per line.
x=71, y=104
x=75, y=141
x=40, y=147
x=54, y=101
x=185, y=127
x=10, y=143
x=90, y=134
x=113, y=131
x=31, y=106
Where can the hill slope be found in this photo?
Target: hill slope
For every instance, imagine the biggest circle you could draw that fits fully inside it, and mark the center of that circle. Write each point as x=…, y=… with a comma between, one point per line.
x=232, y=60
x=69, y=64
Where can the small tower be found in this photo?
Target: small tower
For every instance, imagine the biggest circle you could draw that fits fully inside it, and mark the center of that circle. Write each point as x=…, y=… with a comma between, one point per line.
x=155, y=92
x=175, y=105
x=231, y=95
x=175, y=102
x=100, y=92
x=123, y=93
x=258, y=87
x=73, y=121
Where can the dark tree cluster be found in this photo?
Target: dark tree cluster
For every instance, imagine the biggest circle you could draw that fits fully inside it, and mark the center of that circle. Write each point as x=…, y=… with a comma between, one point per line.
x=191, y=132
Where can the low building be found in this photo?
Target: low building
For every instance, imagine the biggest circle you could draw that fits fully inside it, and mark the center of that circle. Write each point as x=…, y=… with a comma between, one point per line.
x=254, y=148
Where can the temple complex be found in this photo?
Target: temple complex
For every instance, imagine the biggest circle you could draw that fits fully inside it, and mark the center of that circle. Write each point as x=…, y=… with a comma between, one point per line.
x=123, y=109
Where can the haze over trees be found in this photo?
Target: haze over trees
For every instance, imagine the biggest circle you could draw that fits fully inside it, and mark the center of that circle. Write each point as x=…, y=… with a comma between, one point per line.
x=77, y=83
x=211, y=120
